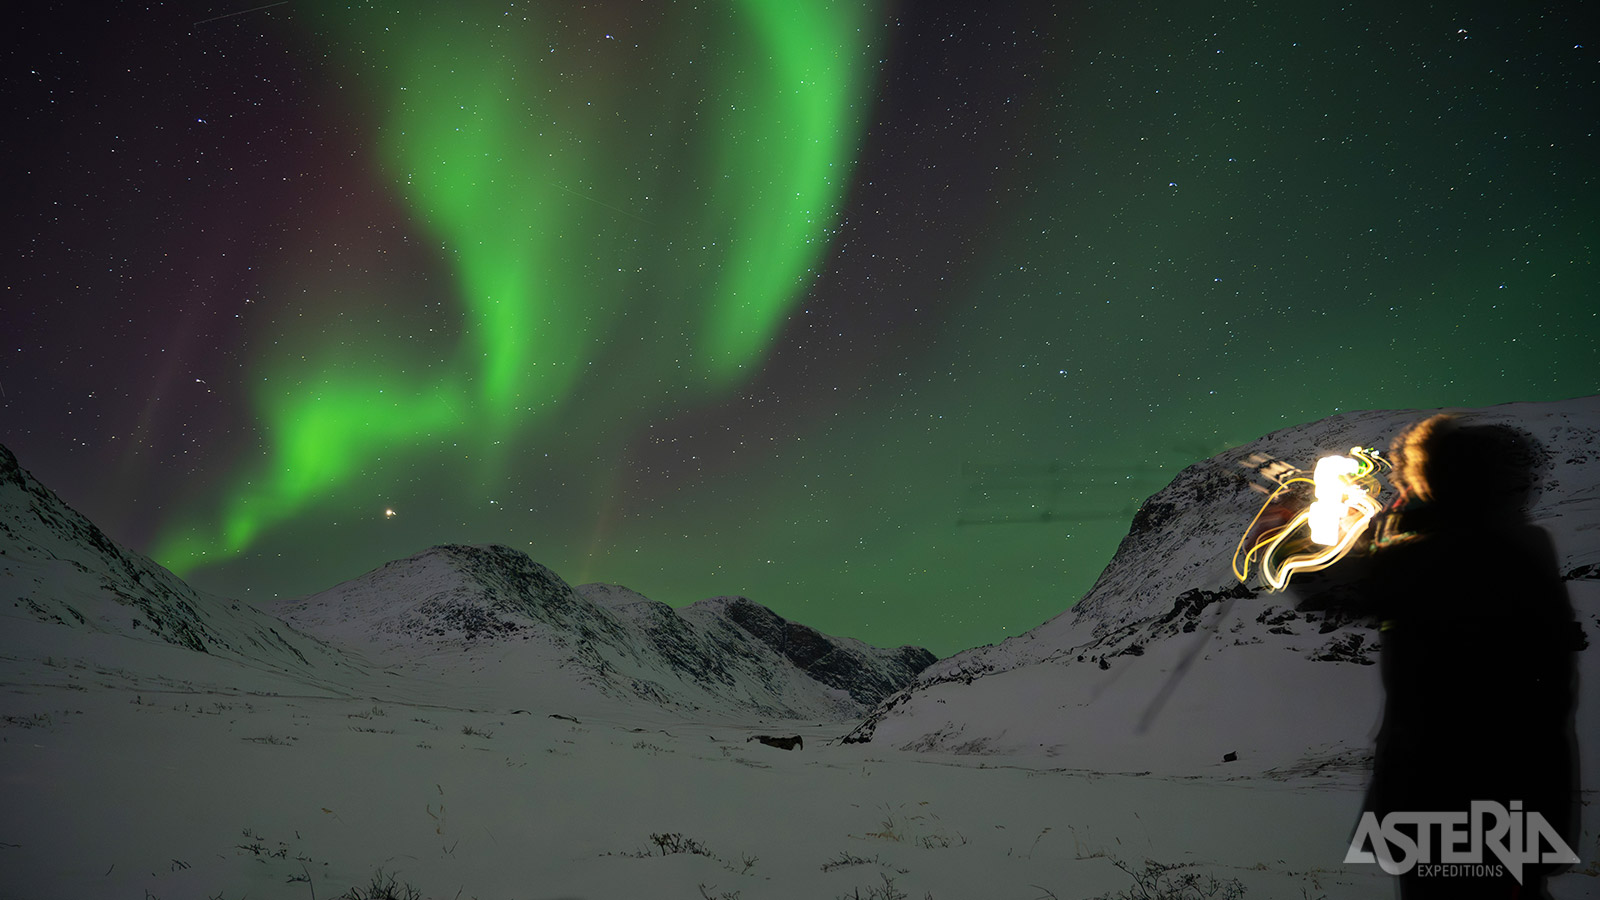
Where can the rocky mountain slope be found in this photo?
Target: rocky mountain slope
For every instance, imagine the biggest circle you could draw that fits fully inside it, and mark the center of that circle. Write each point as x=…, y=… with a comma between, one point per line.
x=1170, y=663
x=705, y=634
x=57, y=567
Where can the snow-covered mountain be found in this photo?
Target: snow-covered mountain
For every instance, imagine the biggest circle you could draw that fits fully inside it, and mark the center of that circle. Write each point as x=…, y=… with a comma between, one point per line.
x=1169, y=663
x=524, y=634
x=57, y=567
x=519, y=634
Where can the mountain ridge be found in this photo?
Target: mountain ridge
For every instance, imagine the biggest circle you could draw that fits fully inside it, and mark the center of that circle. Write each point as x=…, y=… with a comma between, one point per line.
x=494, y=604
x=521, y=631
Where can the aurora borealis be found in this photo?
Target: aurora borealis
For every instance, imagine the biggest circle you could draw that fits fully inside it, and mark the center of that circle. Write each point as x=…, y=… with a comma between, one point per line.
x=480, y=130
x=885, y=316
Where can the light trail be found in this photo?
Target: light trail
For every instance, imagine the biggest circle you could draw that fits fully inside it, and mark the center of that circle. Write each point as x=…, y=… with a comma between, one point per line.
x=1347, y=488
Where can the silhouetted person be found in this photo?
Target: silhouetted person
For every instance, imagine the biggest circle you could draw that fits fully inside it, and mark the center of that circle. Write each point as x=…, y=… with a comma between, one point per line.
x=1477, y=645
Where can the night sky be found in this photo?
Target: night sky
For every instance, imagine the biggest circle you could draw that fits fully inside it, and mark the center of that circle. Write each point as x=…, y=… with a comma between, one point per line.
x=885, y=316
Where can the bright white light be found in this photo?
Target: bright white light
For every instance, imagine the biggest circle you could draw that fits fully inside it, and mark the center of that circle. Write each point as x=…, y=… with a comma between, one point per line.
x=1334, y=497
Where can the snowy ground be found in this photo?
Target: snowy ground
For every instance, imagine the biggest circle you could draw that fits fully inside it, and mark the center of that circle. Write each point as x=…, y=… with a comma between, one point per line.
x=216, y=780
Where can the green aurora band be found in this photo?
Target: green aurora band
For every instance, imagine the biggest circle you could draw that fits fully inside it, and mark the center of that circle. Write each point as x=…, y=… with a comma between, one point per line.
x=540, y=153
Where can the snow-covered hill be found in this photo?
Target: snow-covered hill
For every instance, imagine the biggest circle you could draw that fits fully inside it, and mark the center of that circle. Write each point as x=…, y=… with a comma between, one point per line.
x=524, y=633
x=1170, y=664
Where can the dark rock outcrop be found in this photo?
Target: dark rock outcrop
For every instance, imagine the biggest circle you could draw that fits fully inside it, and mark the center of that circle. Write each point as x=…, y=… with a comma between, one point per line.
x=828, y=660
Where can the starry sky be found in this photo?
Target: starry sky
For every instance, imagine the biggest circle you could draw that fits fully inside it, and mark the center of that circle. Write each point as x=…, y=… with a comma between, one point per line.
x=886, y=316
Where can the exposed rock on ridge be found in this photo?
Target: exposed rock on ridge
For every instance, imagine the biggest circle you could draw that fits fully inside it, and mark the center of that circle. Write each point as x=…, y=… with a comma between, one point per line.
x=867, y=673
